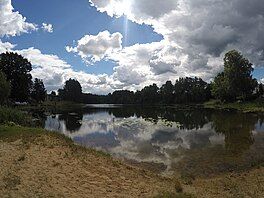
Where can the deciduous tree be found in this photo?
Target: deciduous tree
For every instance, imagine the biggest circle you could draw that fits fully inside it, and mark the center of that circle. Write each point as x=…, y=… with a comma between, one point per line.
x=17, y=70
x=4, y=88
x=236, y=81
x=39, y=92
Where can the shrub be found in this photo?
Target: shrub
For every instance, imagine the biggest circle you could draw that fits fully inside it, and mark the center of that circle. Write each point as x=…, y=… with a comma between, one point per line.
x=12, y=115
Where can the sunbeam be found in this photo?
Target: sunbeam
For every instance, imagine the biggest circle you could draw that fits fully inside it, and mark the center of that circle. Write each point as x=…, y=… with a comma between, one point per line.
x=126, y=30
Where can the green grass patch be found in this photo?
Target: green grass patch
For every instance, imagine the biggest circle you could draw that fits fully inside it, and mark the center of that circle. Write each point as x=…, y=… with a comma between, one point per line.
x=14, y=115
x=246, y=107
x=29, y=135
x=13, y=133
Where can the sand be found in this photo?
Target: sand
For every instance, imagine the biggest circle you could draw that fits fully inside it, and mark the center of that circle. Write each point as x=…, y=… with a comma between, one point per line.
x=48, y=167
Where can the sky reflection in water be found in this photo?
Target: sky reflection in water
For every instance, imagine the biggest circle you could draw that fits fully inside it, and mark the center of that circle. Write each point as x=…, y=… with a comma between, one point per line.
x=158, y=136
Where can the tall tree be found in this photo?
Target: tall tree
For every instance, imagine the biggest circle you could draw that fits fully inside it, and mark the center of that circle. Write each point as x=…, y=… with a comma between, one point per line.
x=38, y=91
x=17, y=70
x=4, y=88
x=72, y=91
x=261, y=89
x=150, y=94
x=191, y=90
x=167, y=93
x=122, y=97
x=236, y=81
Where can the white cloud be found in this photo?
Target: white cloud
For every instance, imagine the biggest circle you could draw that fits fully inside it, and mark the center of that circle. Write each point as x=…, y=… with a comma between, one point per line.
x=12, y=23
x=52, y=69
x=6, y=46
x=96, y=47
x=47, y=27
x=38, y=59
x=55, y=71
x=141, y=11
x=196, y=33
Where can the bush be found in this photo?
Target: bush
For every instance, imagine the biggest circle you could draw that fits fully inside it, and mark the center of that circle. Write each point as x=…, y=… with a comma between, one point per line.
x=12, y=115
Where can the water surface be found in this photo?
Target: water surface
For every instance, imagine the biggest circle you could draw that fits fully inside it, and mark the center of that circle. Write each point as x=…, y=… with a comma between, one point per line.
x=167, y=139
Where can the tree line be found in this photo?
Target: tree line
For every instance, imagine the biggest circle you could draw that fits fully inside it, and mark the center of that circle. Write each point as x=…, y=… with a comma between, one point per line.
x=234, y=83
x=16, y=84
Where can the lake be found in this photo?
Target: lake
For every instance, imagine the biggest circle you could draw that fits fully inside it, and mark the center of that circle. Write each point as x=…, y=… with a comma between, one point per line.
x=167, y=139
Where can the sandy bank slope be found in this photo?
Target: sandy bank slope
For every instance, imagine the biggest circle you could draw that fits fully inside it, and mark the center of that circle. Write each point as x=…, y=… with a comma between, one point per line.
x=49, y=167
x=249, y=184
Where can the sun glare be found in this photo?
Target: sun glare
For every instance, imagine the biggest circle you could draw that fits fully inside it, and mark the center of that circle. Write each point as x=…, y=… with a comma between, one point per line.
x=124, y=8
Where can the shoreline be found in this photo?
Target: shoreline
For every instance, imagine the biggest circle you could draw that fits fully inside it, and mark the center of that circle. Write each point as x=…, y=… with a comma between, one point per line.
x=64, y=106
x=44, y=163
x=244, y=107
x=49, y=164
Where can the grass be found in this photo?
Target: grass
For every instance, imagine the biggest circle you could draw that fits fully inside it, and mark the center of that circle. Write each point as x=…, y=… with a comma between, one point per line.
x=27, y=134
x=12, y=133
x=246, y=107
x=13, y=115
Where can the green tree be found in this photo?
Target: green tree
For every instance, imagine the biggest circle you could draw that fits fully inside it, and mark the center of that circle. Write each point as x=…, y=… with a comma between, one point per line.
x=150, y=94
x=122, y=97
x=39, y=92
x=17, y=70
x=191, y=90
x=53, y=93
x=236, y=81
x=167, y=93
x=72, y=91
x=260, y=89
x=4, y=88
x=220, y=88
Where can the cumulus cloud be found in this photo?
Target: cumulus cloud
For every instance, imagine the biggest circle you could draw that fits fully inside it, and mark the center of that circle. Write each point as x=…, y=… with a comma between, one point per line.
x=96, y=47
x=138, y=11
x=55, y=71
x=12, y=23
x=196, y=33
x=5, y=46
x=47, y=27
x=38, y=59
x=52, y=69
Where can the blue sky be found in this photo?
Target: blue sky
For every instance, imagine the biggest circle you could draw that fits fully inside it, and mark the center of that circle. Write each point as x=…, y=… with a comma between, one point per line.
x=71, y=20
x=128, y=44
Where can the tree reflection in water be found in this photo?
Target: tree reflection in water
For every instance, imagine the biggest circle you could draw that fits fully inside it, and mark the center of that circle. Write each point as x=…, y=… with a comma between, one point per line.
x=237, y=128
x=162, y=135
x=73, y=121
x=188, y=119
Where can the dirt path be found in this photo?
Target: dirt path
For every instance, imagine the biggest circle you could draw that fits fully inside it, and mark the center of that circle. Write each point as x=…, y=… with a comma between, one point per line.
x=48, y=167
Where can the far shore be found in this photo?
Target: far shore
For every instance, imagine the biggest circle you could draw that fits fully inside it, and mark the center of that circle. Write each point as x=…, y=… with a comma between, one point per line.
x=256, y=106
